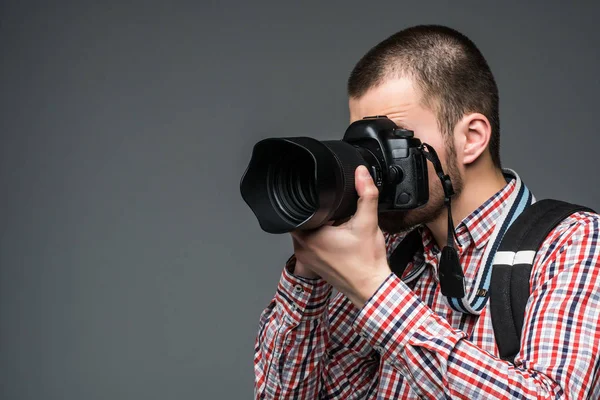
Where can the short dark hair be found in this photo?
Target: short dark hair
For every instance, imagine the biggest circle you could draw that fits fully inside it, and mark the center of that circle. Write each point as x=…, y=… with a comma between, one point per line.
x=448, y=68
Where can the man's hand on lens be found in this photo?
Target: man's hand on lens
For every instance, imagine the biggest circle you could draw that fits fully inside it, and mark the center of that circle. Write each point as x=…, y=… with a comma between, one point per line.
x=350, y=256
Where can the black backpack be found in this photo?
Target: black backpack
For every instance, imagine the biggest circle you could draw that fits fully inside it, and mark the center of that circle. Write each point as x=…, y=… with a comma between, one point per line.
x=509, y=289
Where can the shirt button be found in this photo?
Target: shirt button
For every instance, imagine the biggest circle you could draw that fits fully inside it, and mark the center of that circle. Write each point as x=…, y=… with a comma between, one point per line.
x=293, y=306
x=298, y=289
x=378, y=349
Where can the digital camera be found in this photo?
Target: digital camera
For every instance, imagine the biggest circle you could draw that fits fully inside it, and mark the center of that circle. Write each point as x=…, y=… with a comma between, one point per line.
x=302, y=183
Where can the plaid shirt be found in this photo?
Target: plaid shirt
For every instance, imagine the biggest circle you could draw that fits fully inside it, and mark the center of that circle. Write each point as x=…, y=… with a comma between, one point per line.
x=407, y=343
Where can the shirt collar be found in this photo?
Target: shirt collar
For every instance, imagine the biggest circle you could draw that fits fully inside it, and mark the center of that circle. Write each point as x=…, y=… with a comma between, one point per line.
x=476, y=228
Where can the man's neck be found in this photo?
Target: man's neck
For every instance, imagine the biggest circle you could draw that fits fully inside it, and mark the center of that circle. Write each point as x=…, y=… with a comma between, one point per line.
x=478, y=188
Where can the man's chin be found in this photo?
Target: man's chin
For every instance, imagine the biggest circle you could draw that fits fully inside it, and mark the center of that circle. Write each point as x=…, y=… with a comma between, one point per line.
x=403, y=221
x=397, y=221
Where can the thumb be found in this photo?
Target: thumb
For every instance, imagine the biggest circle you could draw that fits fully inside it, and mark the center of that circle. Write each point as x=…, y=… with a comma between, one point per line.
x=368, y=198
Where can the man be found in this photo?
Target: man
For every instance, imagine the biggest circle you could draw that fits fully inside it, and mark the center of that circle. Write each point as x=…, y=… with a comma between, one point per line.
x=385, y=338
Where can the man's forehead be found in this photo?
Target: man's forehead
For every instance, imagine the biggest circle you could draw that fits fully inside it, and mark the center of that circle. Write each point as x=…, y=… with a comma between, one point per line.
x=393, y=97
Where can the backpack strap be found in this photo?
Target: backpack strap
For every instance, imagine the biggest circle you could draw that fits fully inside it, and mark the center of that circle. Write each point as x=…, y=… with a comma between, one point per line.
x=405, y=252
x=509, y=289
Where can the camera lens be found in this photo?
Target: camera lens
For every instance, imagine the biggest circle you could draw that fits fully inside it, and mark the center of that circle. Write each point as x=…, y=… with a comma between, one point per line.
x=292, y=187
x=301, y=183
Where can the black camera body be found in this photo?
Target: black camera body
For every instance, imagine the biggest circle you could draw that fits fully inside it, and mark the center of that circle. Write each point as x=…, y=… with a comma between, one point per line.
x=301, y=183
x=395, y=159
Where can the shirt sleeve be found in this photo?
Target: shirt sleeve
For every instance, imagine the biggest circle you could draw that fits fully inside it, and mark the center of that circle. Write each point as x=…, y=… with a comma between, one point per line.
x=561, y=333
x=292, y=339
x=306, y=347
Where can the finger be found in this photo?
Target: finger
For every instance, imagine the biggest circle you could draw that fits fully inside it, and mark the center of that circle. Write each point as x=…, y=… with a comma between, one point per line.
x=339, y=222
x=297, y=238
x=368, y=199
x=302, y=235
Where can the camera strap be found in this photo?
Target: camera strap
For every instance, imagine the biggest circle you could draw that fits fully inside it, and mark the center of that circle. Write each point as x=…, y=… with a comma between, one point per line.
x=451, y=276
x=478, y=296
x=450, y=272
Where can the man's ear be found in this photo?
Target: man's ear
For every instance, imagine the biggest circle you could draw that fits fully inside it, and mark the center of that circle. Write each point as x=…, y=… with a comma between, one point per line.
x=475, y=132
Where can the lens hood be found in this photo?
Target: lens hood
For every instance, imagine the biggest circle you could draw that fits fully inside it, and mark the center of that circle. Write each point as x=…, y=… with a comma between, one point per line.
x=317, y=163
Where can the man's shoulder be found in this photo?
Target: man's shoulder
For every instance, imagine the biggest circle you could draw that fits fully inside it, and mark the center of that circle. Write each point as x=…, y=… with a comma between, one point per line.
x=575, y=239
x=571, y=229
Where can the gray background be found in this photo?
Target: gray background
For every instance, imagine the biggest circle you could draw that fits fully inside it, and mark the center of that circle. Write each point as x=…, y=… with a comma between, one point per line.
x=130, y=268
